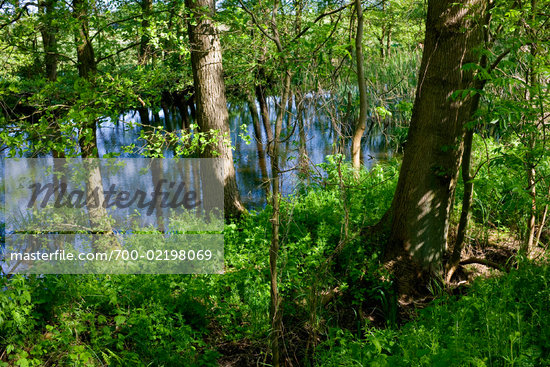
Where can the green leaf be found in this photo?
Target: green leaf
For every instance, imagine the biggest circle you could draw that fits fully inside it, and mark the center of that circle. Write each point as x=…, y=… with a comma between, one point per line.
x=119, y=320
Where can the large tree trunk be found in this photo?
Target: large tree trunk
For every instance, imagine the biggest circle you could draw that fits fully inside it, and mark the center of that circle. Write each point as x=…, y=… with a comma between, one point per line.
x=361, y=123
x=206, y=60
x=427, y=180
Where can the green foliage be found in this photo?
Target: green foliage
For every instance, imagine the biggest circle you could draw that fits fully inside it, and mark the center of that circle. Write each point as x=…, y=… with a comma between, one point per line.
x=170, y=320
x=501, y=193
x=501, y=321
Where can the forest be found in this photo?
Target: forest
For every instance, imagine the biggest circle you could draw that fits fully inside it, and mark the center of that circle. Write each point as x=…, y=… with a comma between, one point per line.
x=382, y=169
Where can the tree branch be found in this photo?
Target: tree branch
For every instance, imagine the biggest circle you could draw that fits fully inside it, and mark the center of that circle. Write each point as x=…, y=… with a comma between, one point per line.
x=118, y=52
x=321, y=17
x=255, y=20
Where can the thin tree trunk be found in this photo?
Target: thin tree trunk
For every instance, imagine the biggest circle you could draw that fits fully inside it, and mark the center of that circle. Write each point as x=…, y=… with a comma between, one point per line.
x=388, y=41
x=302, y=150
x=466, y=203
x=531, y=224
x=274, y=309
x=530, y=161
x=543, y=220
x=264, y=111
x=259, y=145
x=49, y=40
x=360, y=124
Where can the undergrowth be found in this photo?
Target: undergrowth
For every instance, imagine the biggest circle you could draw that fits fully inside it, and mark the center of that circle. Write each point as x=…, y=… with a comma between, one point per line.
x=330, y=276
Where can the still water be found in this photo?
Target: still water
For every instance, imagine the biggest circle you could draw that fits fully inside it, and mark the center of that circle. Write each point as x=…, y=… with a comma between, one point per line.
x=320, y=141
x=318, y=134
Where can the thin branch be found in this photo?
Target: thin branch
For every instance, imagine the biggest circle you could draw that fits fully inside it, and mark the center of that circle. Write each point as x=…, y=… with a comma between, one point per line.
x=258, y=25
x=19, y=15
x=477, y=260
x=321, y=17
x=498, y=60
x=118, y=52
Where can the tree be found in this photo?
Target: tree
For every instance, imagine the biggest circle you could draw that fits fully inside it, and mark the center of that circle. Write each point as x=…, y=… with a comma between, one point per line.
x=425, y=190
x=361, y=122
x=206, y=60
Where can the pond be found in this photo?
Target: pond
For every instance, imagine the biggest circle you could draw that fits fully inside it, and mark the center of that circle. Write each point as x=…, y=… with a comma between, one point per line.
x=320, y=141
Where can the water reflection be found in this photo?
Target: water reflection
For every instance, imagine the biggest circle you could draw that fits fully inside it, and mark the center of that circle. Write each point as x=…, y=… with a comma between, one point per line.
x=320, y=140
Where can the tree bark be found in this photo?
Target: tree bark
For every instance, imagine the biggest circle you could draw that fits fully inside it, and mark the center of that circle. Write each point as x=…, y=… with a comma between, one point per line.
x=144, y=47
x=264, y=111
x=49, y=39
x=206, y=61
x=86, y=61
x=532, y=79
x=303, y=160
x=275, y=313
x=361, y=122
x=425, y=190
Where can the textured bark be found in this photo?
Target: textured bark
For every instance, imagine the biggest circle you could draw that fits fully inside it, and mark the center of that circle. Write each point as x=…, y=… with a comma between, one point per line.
x=360, y=124
x=86, y=61
x=48, y=32
x=427, y=180
x=206, y=60
x=144, y=47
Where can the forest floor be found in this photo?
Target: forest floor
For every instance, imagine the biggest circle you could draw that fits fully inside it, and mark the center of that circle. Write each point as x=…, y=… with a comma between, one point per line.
x=494, y=246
